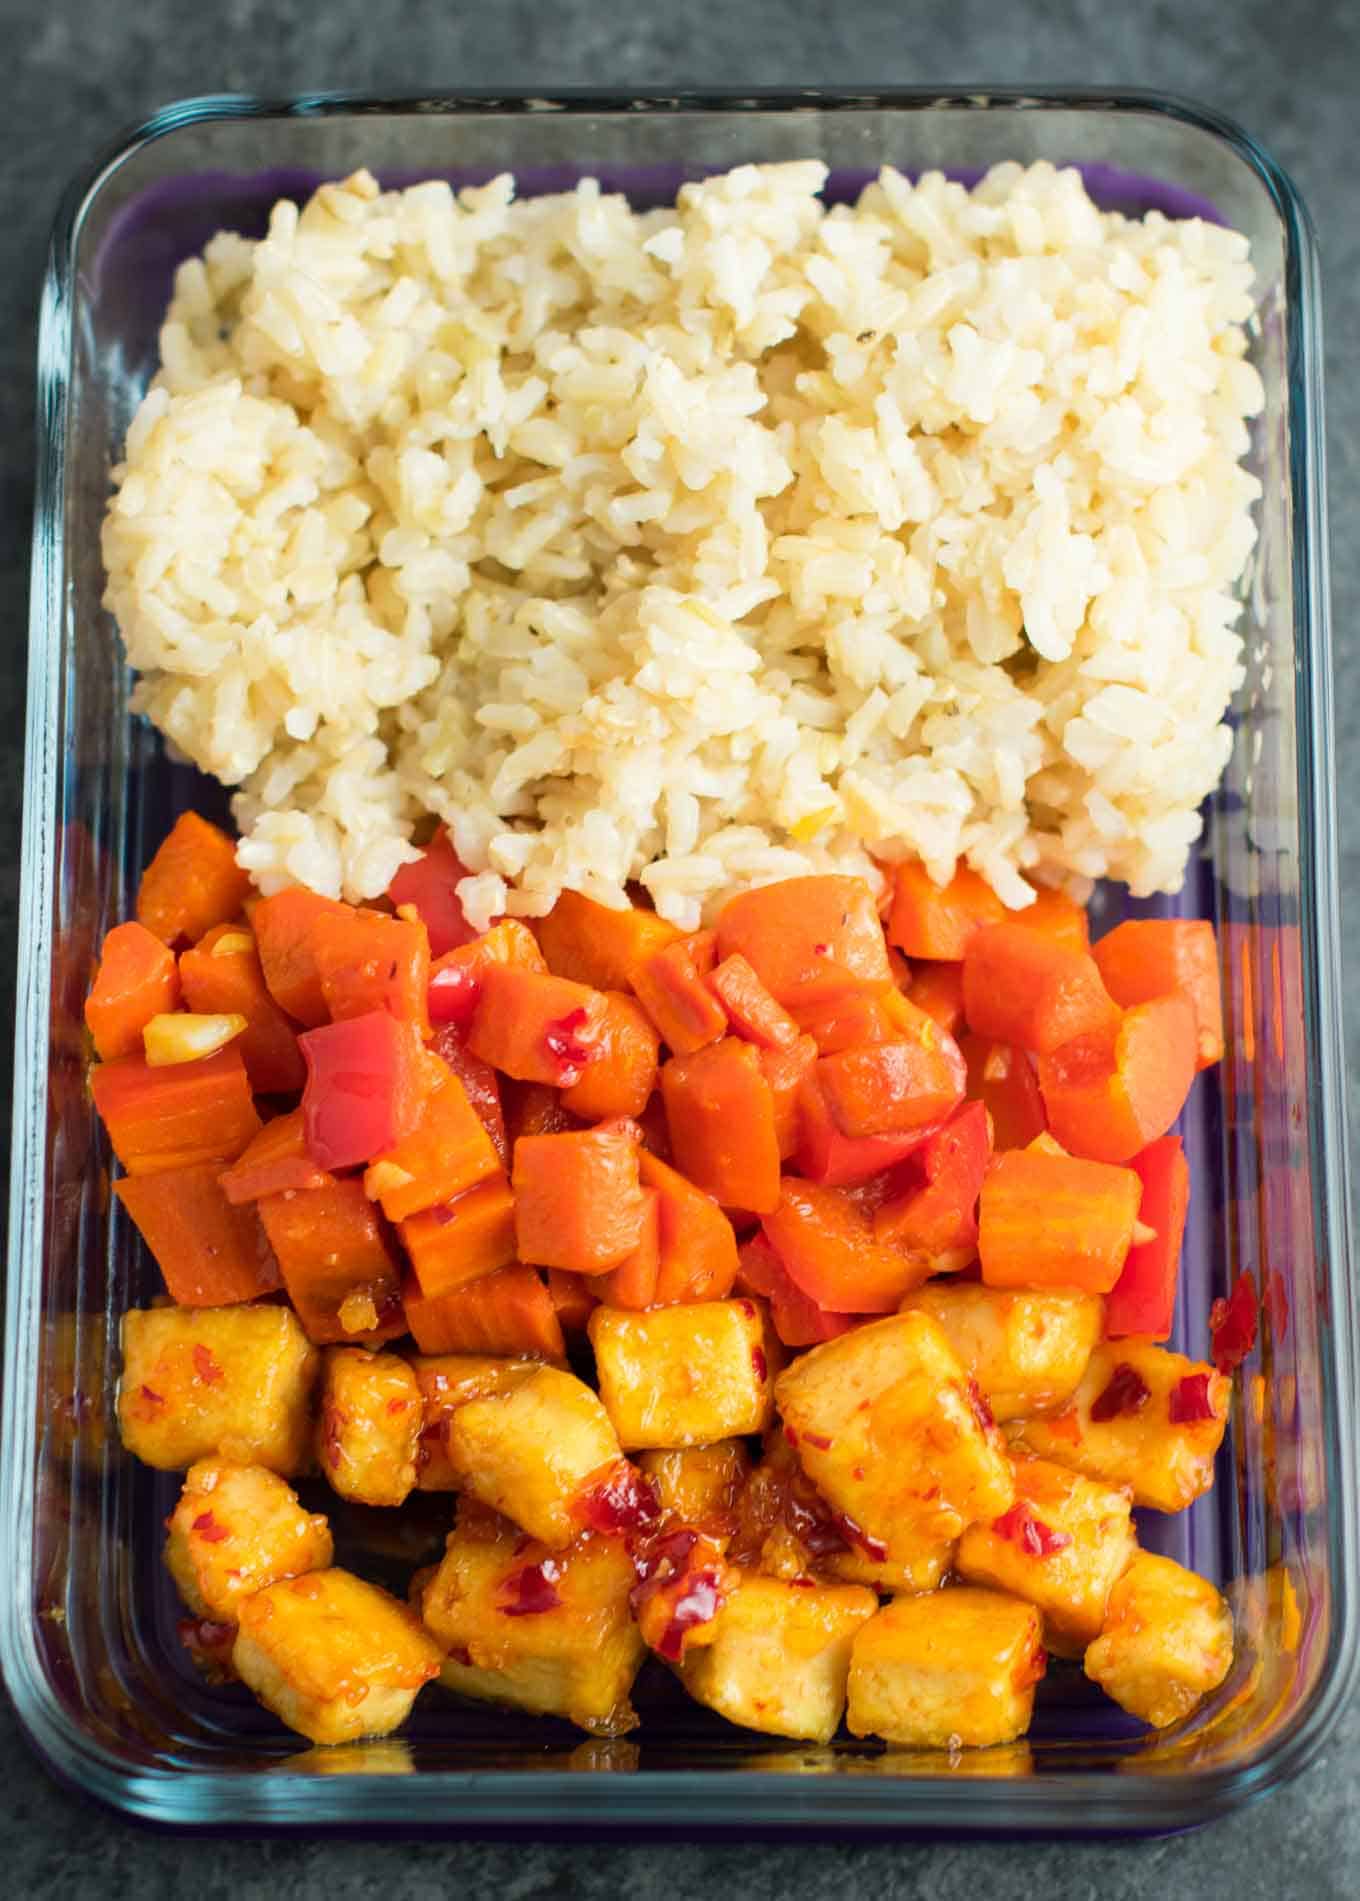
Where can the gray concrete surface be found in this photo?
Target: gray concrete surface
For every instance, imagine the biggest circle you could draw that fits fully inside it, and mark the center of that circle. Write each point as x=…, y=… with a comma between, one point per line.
x=73, y=75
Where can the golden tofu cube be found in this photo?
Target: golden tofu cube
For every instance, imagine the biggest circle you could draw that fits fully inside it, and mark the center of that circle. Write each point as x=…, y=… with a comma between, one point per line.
x=236, y=1530
x=538, y=1628
x=686, y=1375
x=1027, y=1349
x=530, y=1451
x=776, y=1655
x=951, y=1667
x=448, y=1381
x=700, y=1485
x=230, y=1381
x=1166, y=1642
x=368, y=1433
x=1061, y=1546
x=889, y=1429
x=332, y=1657
x=1141, y=1417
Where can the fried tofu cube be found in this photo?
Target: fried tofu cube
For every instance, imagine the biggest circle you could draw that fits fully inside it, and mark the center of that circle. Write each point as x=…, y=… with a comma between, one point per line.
x=530, y=1452
x=234, y=1381
x=236, y=1530
x=369, y=1430
x=951, y=1667
x=538, y=1628
x=1166, y=1642
x=687, y=1375
x=888, y=1428
x=1062, y=1546
x=448, y=1381
x=333, y=1657
x=1141, y=1417
x=699, y=1485
x=1026, y=1348
x=776, y=1655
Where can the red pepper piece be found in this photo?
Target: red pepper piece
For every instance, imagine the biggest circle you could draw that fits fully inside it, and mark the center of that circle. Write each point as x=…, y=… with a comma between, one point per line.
x=1127, y=1392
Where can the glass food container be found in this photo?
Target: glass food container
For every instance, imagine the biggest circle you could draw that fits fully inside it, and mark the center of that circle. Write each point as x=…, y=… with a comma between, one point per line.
x=88, y=1635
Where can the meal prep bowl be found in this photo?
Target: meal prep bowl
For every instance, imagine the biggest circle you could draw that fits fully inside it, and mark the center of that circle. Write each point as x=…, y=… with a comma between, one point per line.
x=88, y=1636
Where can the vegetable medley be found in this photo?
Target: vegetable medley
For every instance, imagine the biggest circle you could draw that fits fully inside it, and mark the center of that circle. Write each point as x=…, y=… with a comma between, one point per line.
x=865, y=1229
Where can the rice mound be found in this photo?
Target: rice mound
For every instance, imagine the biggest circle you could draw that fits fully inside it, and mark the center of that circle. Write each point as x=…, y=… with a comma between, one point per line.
x=699, y=546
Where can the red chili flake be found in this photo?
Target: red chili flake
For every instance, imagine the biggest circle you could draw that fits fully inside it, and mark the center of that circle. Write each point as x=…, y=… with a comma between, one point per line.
x=816, y=1439
x=1034, y=1537
x=982, y=1412
x=698, y=1602
x=621, y=1501
x=566, y=1048
x=533, y=1590
x=668, y=1552
x=154, y=1398
x=209, y=1530
x=821, y=950
x=873, y=1548
x=803, y=1584
x=1232, y=1325
x=397, y=1405
x=748, y=1307
x=210, y=1645
x=761, y=1365
x=1189, y=1400
x=461, y=1654
x=791, y=1435
x=1127, y=1392
x=814, y=1525
x=453, y=995
x=206, y=1367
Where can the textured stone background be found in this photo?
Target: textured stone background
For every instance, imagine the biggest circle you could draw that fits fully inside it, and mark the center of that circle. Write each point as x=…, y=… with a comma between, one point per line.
x=76, y=73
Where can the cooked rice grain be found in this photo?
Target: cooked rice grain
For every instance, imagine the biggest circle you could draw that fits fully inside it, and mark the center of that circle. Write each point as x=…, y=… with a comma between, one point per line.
x=700, y=546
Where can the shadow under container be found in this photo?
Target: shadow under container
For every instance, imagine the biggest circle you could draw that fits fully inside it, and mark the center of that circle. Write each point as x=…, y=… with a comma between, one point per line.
x=88, y=1637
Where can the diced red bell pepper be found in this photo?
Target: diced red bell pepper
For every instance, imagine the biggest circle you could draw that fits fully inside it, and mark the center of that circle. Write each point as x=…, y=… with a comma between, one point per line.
x=826, y=1242
x=939, y=1217
x=825, y=1155
x=798, y=1321
x=430, y=884
x=366, y=1086
x=1003, y=1078
x=1108, y=1096
x=1143, y=1299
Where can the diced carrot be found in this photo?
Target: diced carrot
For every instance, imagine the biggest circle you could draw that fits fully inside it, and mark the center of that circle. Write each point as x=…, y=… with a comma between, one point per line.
x=532, y=1109
x=537, y=1029
x=463, y=1239
x=1143, y=1299
x=1022, y=987
x=826, y=1243
x=938, y=990
x=940, y=921
x=670, y=985
x=222, y=975
x=276, y=1159
x=1046, y=1219
x=172, y=1116
x=456, y=978
x=367, y=1081
x=1004, y=1079
x=509, y=1312
x=578, y=1197
x=339, y=1271
x=1107, y=1097
x=632, y=1283
x=751, y=1011
x=825, y=1155
x=593, y=944
x=366, y=961
x=846, y=1022
x=480, y=1081
x=798, y=1321
x=210, y=1253
x=447, y=1153
x=937, y=1216
x=430, y=884
x=283, y=927
x=573, y=1297
x=135, y=981
x=808, y=938
x=892, y=1088
x=720, y=1111
x=784, y=1070
x=1147, y=958
x=1058, y=917
x=192, y=883
x=621, y=1074
x=697, y=1247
